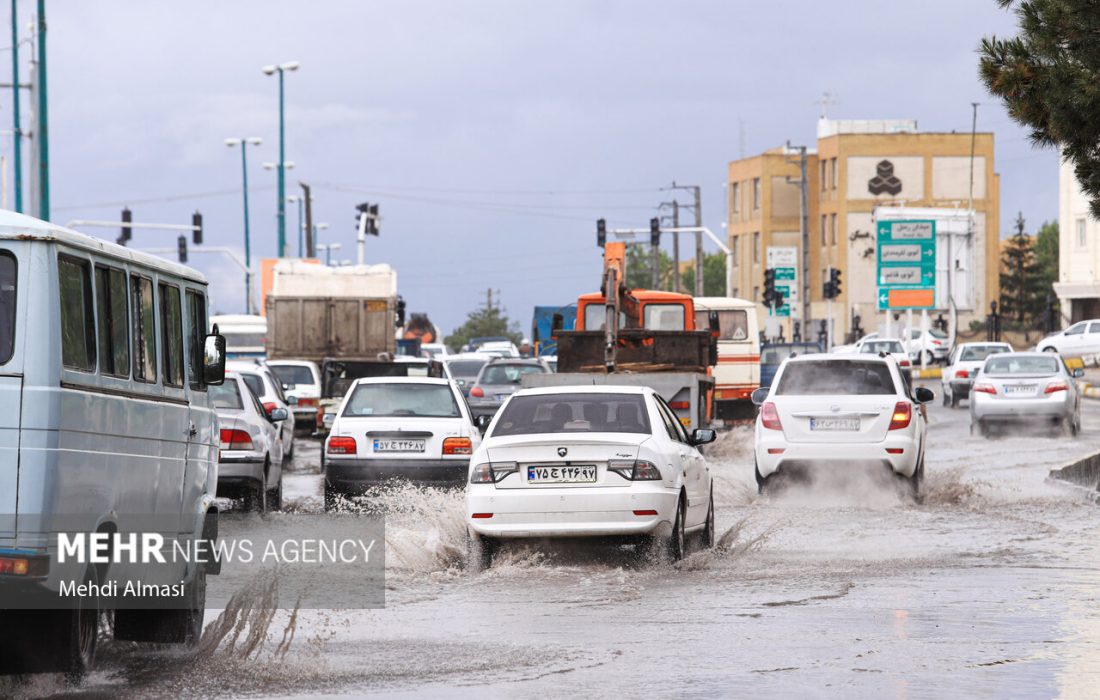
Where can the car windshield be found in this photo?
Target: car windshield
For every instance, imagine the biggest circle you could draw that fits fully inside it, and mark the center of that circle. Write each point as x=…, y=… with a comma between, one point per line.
x=293, y=374
x=775, y=354
x=663, y=317
x=7, y=306
x=977, y=353
x=507, y=374
x=466, y=368
x=1016, y=364
x=835, y=377
x=874, y=347
x=573, y=413
x=255, y=382
x=405, y=399
x=937, y=333
x=226, y=395
x=243, y=340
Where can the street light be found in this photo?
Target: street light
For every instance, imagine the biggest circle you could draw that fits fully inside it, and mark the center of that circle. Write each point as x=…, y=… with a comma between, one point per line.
x=281, y=68
x=244, y=143
x=301, y=222
x=328, y=248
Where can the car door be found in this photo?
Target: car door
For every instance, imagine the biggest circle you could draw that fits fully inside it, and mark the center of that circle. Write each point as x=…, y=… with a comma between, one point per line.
x=1092, y=338
x=286, y=427
x=692, y=465
x=1072, y=342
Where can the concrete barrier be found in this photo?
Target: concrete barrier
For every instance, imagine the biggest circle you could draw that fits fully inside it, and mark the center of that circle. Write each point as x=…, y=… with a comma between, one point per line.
x=930, y=373
x=1084, y=473
x=1089, y=391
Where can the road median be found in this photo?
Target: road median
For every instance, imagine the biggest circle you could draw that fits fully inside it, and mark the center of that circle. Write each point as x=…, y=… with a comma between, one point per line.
x=1083, y=473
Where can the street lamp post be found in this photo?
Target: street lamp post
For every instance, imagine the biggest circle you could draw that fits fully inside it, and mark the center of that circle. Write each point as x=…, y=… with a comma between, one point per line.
x=328, y=248
x=244, y=143
x=271, y=70
x=317, y=228
x=301, y=223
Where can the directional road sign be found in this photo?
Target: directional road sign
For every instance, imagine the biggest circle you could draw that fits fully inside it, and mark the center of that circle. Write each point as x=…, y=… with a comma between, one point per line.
x=906, y=256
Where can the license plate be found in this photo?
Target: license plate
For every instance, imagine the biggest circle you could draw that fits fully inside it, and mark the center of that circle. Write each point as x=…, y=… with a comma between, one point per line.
x=399, y=445
x=581, y=474
x=501, y=397
x=836, y=424
x=1020, y=389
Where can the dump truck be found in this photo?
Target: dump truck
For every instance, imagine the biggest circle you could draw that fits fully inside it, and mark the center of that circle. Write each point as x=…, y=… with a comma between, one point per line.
x=633, y=337
x=542, y=327
x=315, y=312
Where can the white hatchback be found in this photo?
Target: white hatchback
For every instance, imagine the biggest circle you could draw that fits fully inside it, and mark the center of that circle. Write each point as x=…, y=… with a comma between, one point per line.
x=840, y=412
x=587, y=461
x=417, y=429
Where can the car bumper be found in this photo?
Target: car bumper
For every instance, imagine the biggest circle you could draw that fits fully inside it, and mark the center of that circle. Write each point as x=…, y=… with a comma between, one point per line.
x=351, y=475
x=960, y=388
x=234, y=469
x=838, y=456
x=985, y=408
x=485, y=409
x=569, y=512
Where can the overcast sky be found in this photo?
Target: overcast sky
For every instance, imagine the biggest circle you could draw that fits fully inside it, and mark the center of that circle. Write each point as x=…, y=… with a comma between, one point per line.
x=493, y=134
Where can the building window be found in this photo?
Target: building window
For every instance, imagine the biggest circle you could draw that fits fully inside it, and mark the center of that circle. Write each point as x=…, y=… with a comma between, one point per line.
x=1082, y=240
x=755, y=293
x=824, y=175
x=735, y=197
x=756, y=247
x=824, y=237
x=735, y=245
x=755, y=193
x=832, y=228
x=832, y=161
x=736, y=292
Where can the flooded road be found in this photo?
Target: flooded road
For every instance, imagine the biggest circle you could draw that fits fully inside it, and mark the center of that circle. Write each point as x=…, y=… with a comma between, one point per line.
x=989, y=587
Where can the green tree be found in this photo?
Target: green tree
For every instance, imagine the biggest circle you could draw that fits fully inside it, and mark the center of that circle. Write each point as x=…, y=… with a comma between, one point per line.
x=481, y=322
x=1046, y=254
x=714, y=276
x=1049, y=79
x=1023, y=297
x=639, y=267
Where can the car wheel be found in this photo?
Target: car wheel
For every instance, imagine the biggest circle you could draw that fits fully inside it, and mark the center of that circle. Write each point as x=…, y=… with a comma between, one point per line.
x=479, y=552
x=255, y=500
x=275, y=496
x=332, y=496
x=760, y=480
x=929, y=358
x=708, y=527
x=916, y=481
x=946, y=397
x=674, y=546
x=1050, y=348
x=954, y=401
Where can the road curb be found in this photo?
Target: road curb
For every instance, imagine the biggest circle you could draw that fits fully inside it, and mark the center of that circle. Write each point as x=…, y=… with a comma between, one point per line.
x=930, y=373
x=1084, y=475
x=1088, y=390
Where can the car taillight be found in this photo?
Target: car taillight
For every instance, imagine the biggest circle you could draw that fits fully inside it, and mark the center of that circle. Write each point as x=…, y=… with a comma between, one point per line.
x=339, y=445
x=903, y=363
x=635, y=469
x=679, y=405
x=269, y=407
x=903, y=415
x=1056, y=386
x=15, y=565
x=306, y=403
x=961, y=374
x=937, y=342
x=984, y=388
x=236, y=439
x=457, y=446
x=477, y=392
x=492, y=472
x=769, y=417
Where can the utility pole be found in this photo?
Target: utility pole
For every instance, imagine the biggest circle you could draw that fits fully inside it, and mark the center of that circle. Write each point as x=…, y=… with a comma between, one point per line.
x=697, y=193
x=675, y=247
x=804, y=226
x=17, y=133
x=969, y=212
x=43, y=134
x=310, y=243
x=489, y=298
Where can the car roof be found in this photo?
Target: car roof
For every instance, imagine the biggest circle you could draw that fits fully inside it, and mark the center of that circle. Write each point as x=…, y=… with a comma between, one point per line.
x=985, y=343
x=1028, y=353
x=583, y=389
x=467, y=356
x=291, y=363
x=514, y=361
x=402, y=380
x=837, y=357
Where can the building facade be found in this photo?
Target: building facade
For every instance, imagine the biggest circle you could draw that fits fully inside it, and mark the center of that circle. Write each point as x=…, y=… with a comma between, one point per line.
x=856, y=168
x=1078, y=285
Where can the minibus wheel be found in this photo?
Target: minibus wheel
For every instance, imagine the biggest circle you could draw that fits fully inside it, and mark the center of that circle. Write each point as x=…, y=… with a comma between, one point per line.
x=79, y=630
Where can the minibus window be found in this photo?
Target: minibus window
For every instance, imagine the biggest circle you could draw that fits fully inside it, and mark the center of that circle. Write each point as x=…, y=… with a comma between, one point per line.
x=733, y=324
x=77, y=319
x=196, y=334
x=7, y=306
x=171, y=321
x=114, y=325
x=145, y=332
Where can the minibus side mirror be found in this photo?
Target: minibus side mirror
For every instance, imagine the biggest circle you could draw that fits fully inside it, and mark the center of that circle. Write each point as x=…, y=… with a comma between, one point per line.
x=213, y=359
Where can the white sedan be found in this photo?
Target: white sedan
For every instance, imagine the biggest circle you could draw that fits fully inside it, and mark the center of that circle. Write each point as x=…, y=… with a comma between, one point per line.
x=589, y=461
x=839, y=412
x=416, y=429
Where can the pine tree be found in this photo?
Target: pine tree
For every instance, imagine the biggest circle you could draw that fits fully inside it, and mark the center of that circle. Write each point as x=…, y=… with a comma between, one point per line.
x=1049, y=79
x=1022, y=294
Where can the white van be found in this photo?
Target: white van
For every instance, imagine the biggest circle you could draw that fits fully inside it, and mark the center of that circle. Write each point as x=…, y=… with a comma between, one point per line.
x=737, y=373
x=106, y=423
x=245, y=335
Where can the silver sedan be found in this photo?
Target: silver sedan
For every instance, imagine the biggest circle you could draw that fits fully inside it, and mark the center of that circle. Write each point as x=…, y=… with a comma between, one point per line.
x=1025, y=387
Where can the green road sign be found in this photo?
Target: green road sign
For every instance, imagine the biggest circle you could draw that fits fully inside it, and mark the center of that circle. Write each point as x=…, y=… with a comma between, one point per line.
x=785, y=290
x=784, y=274
x=906, y=257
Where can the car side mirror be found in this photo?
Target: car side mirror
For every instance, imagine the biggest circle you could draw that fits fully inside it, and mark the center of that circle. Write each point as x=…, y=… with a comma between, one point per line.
x=482, y=422
x=292, y=400
x=1078, y=373
x=760, y=396
x=923, y=395
x=278, y=415
x=703, y=436
x=213, y=359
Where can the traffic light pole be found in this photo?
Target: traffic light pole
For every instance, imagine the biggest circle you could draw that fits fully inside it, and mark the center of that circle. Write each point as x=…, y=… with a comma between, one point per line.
x=361, y=239
x=631, y=234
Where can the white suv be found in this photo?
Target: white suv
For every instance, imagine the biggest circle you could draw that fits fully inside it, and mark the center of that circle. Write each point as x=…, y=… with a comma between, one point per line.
x=840, y=412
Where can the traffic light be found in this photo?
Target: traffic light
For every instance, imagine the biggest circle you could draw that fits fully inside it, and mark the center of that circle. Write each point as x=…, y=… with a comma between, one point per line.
x=181, y=243
x=831, y=287
x=127, y=232
x=361, y=209
x=655, y=232
x=778, y=299
x=769, y=287
x=601, y=232
x=372, y=220
x=196, y=221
